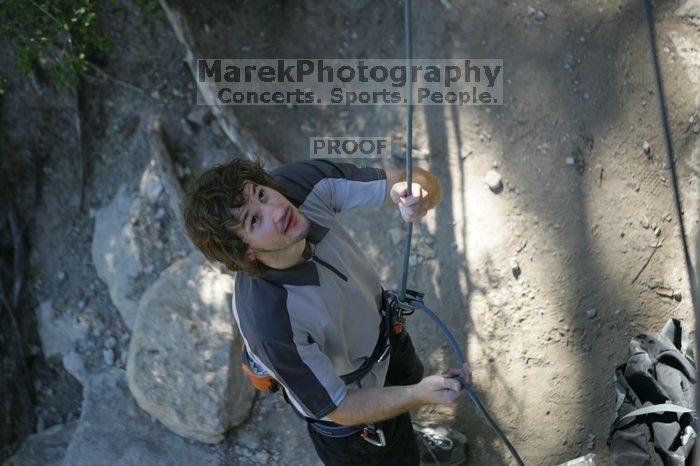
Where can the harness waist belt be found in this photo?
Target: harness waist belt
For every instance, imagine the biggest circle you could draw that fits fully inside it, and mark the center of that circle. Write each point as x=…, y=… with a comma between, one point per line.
x=380, y=353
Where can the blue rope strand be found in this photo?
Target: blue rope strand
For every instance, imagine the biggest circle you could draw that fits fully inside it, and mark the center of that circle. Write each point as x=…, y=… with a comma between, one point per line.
x=468, y=388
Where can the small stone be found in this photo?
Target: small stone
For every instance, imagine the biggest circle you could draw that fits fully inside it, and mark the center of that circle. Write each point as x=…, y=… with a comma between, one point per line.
x=531, y=11
x=515, y=267
x=654, y=283
x=569, y=61
x=60, y=276
x=395, y=235
x=493, y=181
x=677, y=296
x=153, y=189
x=657, y=231
x=74, y=365
x=646, y=147
x=108, y=355
x=261, y=457
x=155, y=94
x=110, y=342
x=570, y=161
x=186, y=129
x=591, y=442
x=540, y=15
x=591, y=313
x=417, y=154
x=644, y=221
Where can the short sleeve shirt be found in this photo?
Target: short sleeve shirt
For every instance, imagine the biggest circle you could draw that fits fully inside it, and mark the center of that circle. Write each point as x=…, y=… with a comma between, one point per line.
x=311, y=323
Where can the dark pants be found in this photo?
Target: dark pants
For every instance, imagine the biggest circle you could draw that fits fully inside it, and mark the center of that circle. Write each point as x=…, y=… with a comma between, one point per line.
x=401, y=448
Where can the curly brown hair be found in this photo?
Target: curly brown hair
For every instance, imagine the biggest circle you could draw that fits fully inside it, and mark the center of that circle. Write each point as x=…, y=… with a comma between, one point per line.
x=207, y=212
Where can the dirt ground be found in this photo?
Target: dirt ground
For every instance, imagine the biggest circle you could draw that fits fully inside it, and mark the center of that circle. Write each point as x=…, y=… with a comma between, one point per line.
x=543, y=346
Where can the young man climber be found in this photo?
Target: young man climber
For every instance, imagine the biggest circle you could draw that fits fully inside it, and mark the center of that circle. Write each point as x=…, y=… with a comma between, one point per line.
x=307, y=302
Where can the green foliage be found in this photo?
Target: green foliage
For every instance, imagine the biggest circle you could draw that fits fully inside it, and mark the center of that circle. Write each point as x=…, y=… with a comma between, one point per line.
x=40, y=25
x=67, y=30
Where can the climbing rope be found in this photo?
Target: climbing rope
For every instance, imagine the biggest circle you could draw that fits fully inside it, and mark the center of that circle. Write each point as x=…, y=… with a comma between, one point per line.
x=409, y=142
x=669, y=156
x=417, y=303
x=692, y=278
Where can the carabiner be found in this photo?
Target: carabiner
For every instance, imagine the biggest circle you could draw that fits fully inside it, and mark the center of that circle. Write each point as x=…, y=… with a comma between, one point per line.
x=379, y=442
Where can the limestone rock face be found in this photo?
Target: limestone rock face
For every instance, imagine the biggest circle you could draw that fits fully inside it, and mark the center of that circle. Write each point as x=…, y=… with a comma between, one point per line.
x=113, y=431
x=690, y=10
x=58, y=333
x=46, y=448
x=137, y=235
x=183, y=365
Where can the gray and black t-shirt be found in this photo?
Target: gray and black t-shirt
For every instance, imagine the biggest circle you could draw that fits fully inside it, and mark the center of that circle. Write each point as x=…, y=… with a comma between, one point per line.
x=313, y=322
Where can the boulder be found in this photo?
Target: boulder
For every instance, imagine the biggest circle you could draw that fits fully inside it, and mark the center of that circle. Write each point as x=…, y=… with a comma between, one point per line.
x=134, y=239
x=113, y=431
x=183, y=365
x=116, y=251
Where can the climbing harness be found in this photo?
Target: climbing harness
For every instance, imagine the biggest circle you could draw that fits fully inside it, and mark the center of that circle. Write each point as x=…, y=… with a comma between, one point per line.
x=392, y=322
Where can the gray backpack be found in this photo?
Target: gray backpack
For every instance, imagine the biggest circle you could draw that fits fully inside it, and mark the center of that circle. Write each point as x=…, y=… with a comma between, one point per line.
x=655, y=388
